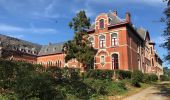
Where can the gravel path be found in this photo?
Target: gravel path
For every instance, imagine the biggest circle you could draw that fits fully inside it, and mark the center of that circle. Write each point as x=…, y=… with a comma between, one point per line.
x=157, y=92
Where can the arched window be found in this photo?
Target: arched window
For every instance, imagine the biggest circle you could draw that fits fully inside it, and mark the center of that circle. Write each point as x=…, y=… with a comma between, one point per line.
x=102, y=60
x=114, y=39
x=102, y=41
x=101, y=22
x=91, y=39
x=115, y=61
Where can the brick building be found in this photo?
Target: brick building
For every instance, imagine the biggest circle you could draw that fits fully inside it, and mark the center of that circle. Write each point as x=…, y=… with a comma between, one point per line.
x=119, y=45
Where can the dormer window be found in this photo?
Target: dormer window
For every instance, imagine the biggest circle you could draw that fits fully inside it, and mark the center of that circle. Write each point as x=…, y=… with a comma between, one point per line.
x=110, y=20
x=101, y=22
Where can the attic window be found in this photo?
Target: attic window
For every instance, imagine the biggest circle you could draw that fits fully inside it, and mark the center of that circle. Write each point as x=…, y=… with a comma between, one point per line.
x=101, y=22
x=110, y=20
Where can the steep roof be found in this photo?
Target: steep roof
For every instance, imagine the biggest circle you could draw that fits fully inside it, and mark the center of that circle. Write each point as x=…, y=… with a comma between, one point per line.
x=142, y=32
x=51, y=49
x=11, y=43
x=114, y=20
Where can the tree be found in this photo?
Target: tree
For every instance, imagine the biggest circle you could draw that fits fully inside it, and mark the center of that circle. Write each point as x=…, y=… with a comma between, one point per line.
x=79, y=48
x=166, y=33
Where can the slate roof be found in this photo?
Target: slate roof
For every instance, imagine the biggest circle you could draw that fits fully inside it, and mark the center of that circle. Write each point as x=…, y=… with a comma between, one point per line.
x=51, y=49
x=114, y=20
x=11, y=43
x=141, y=32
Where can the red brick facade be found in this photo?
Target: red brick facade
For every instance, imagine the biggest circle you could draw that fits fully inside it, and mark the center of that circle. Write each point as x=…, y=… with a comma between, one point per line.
x=119, y=45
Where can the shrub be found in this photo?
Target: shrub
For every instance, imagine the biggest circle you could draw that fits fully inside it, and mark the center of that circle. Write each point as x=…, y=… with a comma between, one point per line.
x=104, y=87
x=100, y=74
x=164, y=78
x=146, y=78
x=153, y=77
x=137, y=78
x=122, y=74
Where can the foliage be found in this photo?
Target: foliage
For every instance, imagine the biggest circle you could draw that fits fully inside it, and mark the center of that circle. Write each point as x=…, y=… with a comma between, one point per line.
x=104, y=87
x=146, y=78
x=166, y=33
x=122, y=74
x=164, y=78
x=137, y=78
x=153, y=77
x=7, y=74
x=100, y=74
x=79, y=47
x=166, y=71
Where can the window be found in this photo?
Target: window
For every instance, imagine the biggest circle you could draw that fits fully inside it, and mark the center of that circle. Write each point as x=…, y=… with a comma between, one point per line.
x=110, y=20
x=102, y=41
x=49, y=63
x=114, y=39
x=115, y=61
x=102, y=60
x=151, y=50
x=138, y=47
x=101, y=23
x=91, y=39
x=152, y=62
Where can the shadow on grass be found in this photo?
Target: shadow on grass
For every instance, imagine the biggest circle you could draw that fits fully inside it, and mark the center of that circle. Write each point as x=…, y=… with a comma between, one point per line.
x=164, y=89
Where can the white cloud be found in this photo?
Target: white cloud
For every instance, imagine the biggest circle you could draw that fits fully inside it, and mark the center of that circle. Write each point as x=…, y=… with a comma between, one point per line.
x=148, y=2
x=10, y=28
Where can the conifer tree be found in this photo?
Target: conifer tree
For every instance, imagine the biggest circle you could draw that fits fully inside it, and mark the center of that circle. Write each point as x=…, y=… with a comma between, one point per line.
x=166, y=34
x=79, y=48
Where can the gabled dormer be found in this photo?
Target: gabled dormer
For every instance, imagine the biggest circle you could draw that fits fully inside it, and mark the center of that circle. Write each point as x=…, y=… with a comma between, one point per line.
x=101, y=22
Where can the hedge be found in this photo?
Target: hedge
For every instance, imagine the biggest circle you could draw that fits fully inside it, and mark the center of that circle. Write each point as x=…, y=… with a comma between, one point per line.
x=99, y=74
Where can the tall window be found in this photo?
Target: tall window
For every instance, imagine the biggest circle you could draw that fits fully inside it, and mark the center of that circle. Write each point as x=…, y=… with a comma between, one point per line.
x=152, y=62
x=91, y=39
x=101, y=23
x=115, y=61
x=114, y=39
x=151, y=50
x=102, y=41
x=102, y=60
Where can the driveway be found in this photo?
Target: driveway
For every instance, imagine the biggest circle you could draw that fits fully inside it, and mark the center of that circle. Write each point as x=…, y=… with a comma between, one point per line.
x=157, y=92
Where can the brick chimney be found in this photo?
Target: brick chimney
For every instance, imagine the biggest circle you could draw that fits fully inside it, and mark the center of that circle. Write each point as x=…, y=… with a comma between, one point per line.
x=128, y=17
x=115, y=13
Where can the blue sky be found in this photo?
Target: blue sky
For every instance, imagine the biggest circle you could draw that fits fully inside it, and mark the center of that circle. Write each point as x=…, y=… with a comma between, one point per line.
x=44, y=21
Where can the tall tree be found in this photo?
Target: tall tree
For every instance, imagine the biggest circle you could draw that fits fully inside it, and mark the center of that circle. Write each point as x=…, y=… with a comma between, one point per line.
x=166, y=34
x=79, y=48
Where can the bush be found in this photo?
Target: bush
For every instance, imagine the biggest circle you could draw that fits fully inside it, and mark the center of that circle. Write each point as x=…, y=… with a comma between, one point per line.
x=122, y=74
x=137, y=78
x=146, y=78
x=164, y=78
x=153, y=77
x=100, y=74
x=104, y=87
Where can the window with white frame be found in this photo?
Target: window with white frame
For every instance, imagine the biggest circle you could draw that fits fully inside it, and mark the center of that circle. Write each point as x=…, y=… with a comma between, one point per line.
x=101, y=22
x=114, y=39
x=91, y=39
x=102, y=60
x=102, y=41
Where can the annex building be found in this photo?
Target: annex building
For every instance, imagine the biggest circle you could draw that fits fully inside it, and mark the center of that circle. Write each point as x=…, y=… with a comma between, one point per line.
x=119, y=45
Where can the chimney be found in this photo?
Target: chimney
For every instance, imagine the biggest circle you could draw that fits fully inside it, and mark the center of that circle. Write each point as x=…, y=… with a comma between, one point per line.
x=128, y=17
x=115, y=13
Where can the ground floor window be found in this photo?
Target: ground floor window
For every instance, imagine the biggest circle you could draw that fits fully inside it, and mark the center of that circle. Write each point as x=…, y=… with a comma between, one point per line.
x=115, y=61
